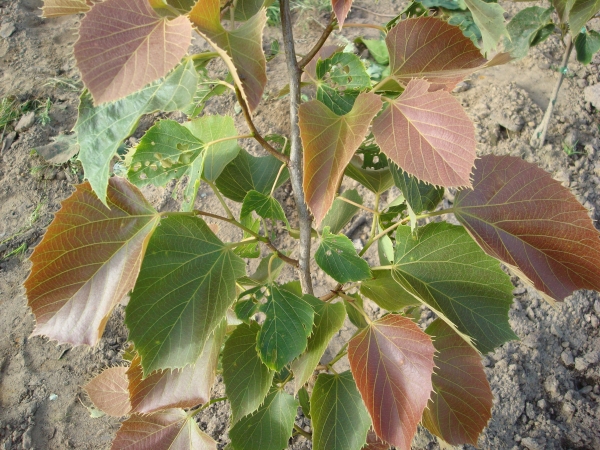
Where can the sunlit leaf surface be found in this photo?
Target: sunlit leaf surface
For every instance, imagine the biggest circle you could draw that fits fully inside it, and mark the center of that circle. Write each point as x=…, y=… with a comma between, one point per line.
x=392, y=363
x=124, y=45
x=108, y=392
x=517, y=213
x=88, y=261
x=337, y=256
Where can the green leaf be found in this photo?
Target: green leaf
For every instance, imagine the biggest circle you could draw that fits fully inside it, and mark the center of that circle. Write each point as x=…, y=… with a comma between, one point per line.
x=342, y=212
x=387, y=292
x=304, y=400
x=88, y=261
x=489, y=17
x=216, y=156
x=461, y=402
x=420, y=196
x=251, y=250
x=377, y=49
x=244, y=309
x=356, y=317
x=101, y=129
x=446, y=4
x=562, y=9
x=265, y=206
x=185, y=286
x=246, y=173
x=464, y=20
x=337, y=256
x=447, y=271
x=269, y=428
x=245, y=9
x=329, y=143
x=329, y=318
x=586, y=45
x=339, y=418
x=525, y=28
x=288, y=323
x=385, y=250
x=169, y=429
x=240, y=49
x=376, y=181
x=580, y=13
x=247, y=379
x=118, y=57
x=165, y=152
x=261, y=275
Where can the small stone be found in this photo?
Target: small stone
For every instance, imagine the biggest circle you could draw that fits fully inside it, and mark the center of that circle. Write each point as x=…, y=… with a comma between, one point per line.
x=61, y=175
x=581, y=83
x=7, y=30
x=592, y=357
x=597, y=306
x=585, y=390
x=581, y=364
x=52, y=397
x=8, y=141
x=519, y=291
x=25, y=122
x=568, y=410
x=542, y=404
x=572, y=138
x=543, y=65
x=27, y=439
x=591, y=95
x=567, y=358
x=462, y=87
x=531, y=444
x=594, y=322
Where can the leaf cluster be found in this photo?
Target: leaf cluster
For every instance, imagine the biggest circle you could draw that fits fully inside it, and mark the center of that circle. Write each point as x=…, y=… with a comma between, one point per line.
x=194, y=309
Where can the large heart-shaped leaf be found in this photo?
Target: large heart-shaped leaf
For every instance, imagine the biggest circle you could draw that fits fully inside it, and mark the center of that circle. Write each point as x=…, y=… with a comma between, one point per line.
x=186, y=285
x=166, y=151
x=518, y=214
x=580, y=13
x=124, y=45
x=180, y=388
x=339, y=418
x=461, y=404
x=247, y=379
x=288, y=323
x=444, y=268
x=392, y=363
x=246, y=173
x=56, y=8
x=329, y=143
x=329, y=318
x=241, y=49
x=430, y=48
x=88, y=261
x=109, y=391
x=489, y=18
x=168, y=429
x=269, y=428
x=101, y=129
x=429, y=135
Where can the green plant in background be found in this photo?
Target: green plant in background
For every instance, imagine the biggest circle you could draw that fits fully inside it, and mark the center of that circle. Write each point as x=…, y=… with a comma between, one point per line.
x=194, y=309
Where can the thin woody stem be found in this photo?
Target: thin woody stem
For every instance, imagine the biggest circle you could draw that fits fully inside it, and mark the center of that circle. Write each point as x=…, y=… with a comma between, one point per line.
x=365, y=25
x=295, y=161
x=255, y=134
x=324, y=36
x=358, y=205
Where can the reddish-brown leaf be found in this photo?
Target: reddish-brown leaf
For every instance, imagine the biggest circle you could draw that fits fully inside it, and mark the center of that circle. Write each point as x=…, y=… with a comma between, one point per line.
x=181, y=388
x=241, y=49
x=392, y=362
x=88, y=261
x=341, y=8
x=329, y=142
x=374, y=443
x=429, y=135
x=56, y=8
x=431, y=48
x=461, y=404
x=124, y=45
x=170, y=429
x=518, y=214
x=108, y=392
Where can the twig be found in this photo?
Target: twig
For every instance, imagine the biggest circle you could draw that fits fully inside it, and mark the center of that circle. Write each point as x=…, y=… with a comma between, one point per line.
x=539, y=135
x=365, y=25
x=358, y=205
x=373, y=12
x=324, y=36
x=268, y=147
x=300, y=431
x=295, y=162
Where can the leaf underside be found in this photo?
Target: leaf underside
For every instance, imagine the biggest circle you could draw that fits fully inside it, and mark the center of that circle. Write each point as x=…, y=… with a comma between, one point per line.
x=56, y=8
x=580, y=13
x=109, y=392
x=489, y=18
x=461, y=403
x=88, y=261
x=518, y=214
x=123, y=46
x=392, y=363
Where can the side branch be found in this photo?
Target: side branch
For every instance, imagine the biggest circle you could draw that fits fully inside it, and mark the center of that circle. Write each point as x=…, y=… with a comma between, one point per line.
x=295, y=163
x=255, y=134
x=313, y=51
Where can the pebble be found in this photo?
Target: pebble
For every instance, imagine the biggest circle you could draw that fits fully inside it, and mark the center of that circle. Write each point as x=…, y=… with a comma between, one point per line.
x=462, y=87
x=531, y=444
x=567, y=358
x=25, y=122
x=542, y=404
x=568, y=410
x=597, y=306
x=8, y=141
x=581, y=364
x=7, y=30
